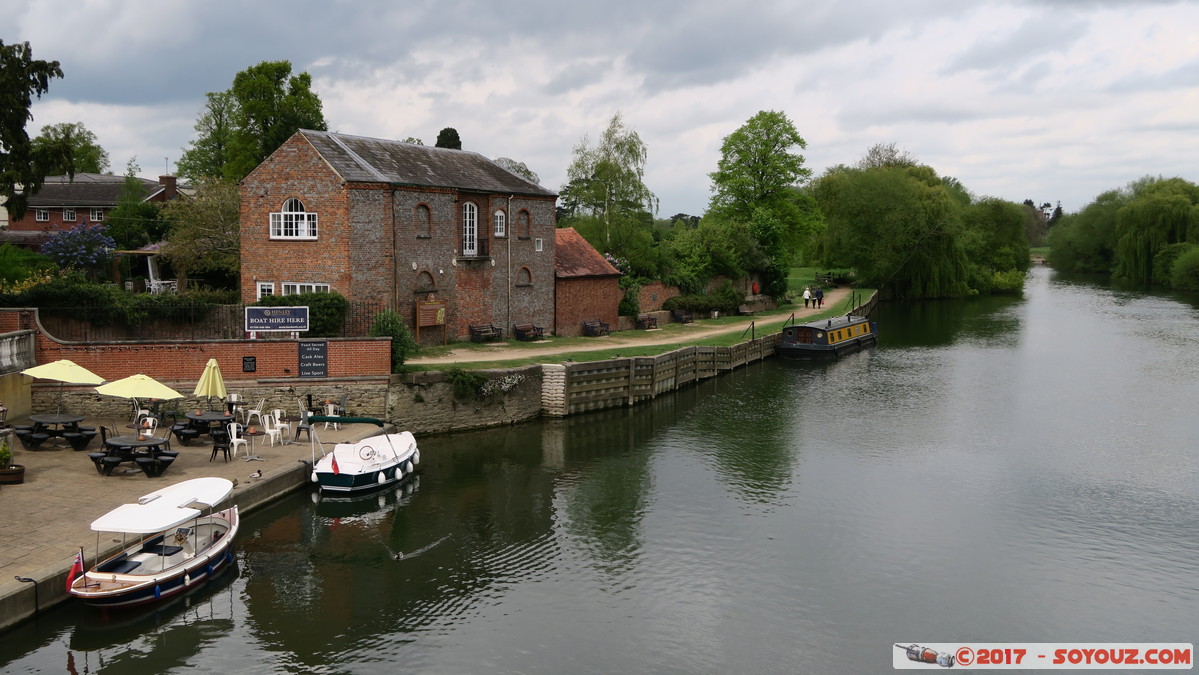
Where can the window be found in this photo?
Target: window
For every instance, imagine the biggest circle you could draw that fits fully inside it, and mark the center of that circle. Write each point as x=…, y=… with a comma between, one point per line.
x=42, y=215
x=501, y=224
x=293, y=288
x=470, y=229
x=97, y=215
x=68, y=215
x=293, y=222
x=265, y=288
x=537, y=244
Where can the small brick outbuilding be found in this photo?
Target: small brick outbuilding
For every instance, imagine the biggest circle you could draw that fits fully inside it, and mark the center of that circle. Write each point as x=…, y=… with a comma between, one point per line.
x=588, y=286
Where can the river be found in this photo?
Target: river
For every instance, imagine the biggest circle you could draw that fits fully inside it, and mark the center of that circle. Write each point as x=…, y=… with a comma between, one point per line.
x=996, y=470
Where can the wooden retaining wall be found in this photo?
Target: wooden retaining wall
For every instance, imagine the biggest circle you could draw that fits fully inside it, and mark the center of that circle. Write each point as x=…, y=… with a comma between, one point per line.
x=568, y=389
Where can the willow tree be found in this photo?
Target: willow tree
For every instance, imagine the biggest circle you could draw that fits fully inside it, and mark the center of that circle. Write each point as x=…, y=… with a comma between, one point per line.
x=1162, y=213
x=1086, y=241
x=898, y=227
x=607, y=183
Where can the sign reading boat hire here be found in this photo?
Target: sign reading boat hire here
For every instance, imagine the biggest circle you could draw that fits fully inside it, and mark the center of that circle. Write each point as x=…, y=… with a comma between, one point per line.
x=276, y=318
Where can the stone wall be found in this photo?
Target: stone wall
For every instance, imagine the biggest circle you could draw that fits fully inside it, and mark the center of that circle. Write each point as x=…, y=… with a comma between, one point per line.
x=424, y=403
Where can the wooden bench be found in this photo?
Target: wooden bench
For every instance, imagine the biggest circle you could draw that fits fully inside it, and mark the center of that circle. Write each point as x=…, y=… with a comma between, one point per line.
x=595, y=328
x=528, y=332
x=682, y=316
x=647, y=321
x=485, y=331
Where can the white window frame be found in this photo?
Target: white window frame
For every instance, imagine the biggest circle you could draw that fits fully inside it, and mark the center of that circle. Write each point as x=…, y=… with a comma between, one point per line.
x=69, y=216
x=265, y=288
x=501, y=223
x=293, y=222
x=41, y=215
x=297, y=287
x=538, y=244
x=97, y=215
x=470, y=229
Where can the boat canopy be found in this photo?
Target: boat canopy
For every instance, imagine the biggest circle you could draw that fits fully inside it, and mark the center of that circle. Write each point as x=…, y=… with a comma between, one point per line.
x=163, y=509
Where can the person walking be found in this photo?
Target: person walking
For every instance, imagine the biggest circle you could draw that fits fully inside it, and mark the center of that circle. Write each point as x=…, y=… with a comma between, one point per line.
x=807, y=296
x=819, y=296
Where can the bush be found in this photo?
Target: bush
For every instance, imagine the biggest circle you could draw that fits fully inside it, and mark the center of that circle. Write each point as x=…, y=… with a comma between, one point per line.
x=389, y=324
x=1185, y=274
x=326, y=310
x=467, y=383
x=630, y=304
x=726, y=299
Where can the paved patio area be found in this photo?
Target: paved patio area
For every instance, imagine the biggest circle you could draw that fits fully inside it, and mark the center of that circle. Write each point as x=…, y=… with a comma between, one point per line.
x=46, y=518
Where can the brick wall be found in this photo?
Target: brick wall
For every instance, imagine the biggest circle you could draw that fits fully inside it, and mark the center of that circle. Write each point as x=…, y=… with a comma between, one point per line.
x=582, y=299
x=653, y=294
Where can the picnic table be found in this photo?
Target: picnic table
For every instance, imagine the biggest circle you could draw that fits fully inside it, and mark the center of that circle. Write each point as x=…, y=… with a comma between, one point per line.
x=142, y=450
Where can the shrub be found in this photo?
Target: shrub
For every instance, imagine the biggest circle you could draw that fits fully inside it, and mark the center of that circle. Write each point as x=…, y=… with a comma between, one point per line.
x=467, y=383
x=326, y=310
x=1185, y=274
x=389, y=324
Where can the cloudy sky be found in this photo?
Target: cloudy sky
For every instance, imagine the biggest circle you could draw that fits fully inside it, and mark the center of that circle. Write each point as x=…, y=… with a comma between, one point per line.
x=1050, y=100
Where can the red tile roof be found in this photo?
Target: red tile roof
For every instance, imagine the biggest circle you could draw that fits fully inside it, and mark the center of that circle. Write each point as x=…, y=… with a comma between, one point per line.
x=574, y=257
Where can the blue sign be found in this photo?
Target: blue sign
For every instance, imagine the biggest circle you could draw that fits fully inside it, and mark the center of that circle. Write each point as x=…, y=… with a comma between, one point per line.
x=276, y=319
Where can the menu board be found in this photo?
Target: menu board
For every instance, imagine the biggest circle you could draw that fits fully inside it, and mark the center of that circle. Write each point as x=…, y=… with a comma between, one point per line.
x=314, y=358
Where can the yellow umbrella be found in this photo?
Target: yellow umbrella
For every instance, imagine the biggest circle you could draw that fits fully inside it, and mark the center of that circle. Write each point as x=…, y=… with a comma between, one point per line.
x=211, y=383
x=63, y=370
x=138, y=386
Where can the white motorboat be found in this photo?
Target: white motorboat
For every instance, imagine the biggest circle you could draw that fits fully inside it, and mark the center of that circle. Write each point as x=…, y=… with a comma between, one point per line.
x=367, y=464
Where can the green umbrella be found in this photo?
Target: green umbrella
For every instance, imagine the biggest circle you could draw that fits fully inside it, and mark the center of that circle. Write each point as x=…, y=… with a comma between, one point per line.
x=63, y=370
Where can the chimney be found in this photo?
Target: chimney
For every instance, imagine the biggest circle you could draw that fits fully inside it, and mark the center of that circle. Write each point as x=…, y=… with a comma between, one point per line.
x=168, y=184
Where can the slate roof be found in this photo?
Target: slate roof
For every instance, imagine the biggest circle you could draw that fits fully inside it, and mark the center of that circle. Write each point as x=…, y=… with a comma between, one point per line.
x=358, y=159
x=87, y=189
x=574, y=257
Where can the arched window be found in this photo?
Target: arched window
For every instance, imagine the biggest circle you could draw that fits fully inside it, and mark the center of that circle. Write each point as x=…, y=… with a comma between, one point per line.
x=422, y=220
x=524, y=225
x=470, y=229
x=424, y=282
x=500, y=220
x=524, y=277
x=293, y=222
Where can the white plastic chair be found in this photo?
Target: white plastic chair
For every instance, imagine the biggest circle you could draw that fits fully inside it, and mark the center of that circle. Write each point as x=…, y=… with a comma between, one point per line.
x=283, y=427
x=147, y=425
x=272, y=431
x=256, y=410
x=139, y=411
x=331, y=411
x=235, y=439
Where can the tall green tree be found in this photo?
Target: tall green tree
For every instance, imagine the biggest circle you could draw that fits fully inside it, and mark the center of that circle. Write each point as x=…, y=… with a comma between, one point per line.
x=23, y=167
x=448, y=138
x=1161, y=213
x=607, y=184
x=86, y=152
x=1086, y=241
x=205, y=234
x=135, y=222
x=271, y=105
x=207, y=155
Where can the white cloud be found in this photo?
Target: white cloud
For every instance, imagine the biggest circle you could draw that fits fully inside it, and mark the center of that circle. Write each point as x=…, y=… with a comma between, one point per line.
x=1044, y=100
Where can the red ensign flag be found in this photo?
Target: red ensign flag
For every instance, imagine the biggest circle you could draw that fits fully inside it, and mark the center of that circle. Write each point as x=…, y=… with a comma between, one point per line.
x=76, y=569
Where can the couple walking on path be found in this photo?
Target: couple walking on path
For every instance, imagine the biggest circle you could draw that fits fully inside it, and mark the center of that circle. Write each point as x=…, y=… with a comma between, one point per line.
x=817, y=298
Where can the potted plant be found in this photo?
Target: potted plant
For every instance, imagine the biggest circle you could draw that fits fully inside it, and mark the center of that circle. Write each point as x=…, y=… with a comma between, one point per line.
x=9, y=472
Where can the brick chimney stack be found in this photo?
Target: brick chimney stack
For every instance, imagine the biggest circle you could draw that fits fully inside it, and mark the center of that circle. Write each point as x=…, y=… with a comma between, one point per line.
x=168, y=184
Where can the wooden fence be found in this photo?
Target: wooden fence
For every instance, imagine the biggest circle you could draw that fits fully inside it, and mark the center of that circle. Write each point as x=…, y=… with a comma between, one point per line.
x=578, y=387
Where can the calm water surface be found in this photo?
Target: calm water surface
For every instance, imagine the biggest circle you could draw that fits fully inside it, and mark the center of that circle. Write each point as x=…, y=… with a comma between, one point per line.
x=999, y=470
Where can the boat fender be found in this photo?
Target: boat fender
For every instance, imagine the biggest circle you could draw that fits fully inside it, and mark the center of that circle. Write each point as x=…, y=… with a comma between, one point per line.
x=314, y=478
x=408, y=466
x=157, y=591
x=187, y=580
x=416, y=457
x=381, y=478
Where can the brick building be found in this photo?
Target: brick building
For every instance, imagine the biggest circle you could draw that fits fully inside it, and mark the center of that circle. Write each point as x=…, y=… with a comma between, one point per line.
x=65, y=202
x=390, y=223
x=588, y=286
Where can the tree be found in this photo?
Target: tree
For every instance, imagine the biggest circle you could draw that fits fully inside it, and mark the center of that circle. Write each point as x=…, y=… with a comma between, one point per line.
x=209, y=152
x=23, y=168
x=1161, y=213
x=271, y=105
x=759, y=163
x=448, y=138
x=519, y=169
x=205, y=234
x=135, y=222
x=89, y=157
x=882, y=155
x=413, y=140
x=607, y=182
x=86, y=247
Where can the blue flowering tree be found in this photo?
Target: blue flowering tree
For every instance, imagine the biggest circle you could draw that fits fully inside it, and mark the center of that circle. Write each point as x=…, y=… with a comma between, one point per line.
x=87, y=248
